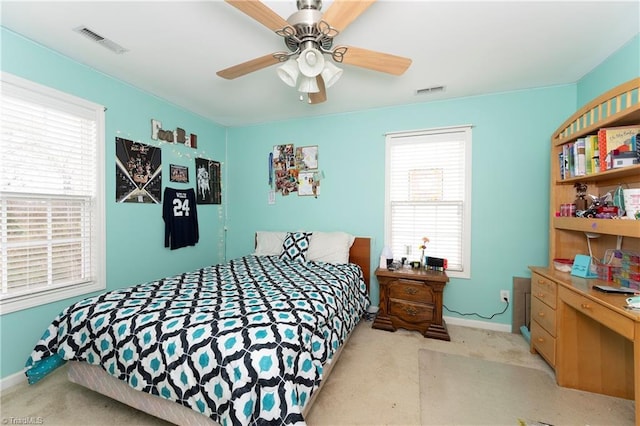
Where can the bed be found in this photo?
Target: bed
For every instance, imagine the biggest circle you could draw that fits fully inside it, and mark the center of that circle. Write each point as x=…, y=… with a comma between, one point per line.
x=247, y=342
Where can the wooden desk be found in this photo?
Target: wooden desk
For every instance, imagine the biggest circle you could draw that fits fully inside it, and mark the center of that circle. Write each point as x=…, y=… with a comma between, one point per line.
x=598, y=340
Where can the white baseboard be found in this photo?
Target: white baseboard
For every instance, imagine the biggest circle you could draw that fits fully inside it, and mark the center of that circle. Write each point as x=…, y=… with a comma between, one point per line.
x=12, y=380
x=478, y=324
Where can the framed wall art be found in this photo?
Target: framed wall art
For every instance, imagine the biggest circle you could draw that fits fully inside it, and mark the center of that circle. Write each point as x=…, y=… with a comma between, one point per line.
x=138, y=172
x=208, y=182
x=178, y=173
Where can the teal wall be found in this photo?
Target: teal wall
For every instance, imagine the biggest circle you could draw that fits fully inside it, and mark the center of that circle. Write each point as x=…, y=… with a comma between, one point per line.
x=620, y=67
x=510, y=174
x=135, y=233
x=510, y=179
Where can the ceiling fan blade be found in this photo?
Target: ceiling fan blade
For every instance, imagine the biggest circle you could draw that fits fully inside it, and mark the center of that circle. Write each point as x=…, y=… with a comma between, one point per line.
x=341, y=13
x=248, y=67
x=377, y=61
x=321, y=96
x=260, y=12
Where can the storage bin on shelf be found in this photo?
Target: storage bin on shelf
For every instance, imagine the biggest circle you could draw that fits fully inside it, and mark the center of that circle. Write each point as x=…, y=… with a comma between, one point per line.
x=628, y=274
x=607, y=272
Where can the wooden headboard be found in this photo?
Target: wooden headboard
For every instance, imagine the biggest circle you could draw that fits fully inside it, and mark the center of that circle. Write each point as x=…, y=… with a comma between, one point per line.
x=360, y=254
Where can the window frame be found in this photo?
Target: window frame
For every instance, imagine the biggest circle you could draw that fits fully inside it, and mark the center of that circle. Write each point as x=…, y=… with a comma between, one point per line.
x=395, y=137
x=52, y=98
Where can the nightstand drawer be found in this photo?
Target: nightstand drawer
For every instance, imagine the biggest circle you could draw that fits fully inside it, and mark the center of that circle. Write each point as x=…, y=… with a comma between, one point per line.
x=543, y=342
x=544, y=315
x=411, y=290
x=544, y=289
x=411, y=312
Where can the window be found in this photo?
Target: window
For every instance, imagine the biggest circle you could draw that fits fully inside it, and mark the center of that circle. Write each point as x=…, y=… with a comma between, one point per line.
x=51, y=195
x=428, y=194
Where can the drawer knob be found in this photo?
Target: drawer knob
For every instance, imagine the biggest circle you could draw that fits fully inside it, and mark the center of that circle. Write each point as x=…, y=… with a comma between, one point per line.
x=410, y=290
x=540, y=314
x=540, y=339
x=541, y=295
x=411, y=311
x=540, y=281
x=585, y=306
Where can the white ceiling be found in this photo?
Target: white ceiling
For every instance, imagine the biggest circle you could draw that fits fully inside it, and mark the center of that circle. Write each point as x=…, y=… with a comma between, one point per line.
x=472, y=48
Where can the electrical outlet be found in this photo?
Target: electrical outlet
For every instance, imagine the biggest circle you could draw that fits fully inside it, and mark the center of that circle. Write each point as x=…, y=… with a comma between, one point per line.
x=504, y=296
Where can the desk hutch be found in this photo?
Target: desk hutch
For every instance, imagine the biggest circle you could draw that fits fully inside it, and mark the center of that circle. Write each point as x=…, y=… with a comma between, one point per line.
x=588, y=337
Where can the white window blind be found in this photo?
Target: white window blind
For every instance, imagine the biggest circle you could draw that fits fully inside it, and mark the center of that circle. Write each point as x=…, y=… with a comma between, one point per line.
x=428, y=195
x=51, y=192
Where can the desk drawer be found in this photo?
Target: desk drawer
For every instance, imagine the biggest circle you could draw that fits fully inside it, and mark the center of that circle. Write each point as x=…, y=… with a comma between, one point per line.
x=544, y=315
x=605, y=316
x=544, y=289
x=543, y=342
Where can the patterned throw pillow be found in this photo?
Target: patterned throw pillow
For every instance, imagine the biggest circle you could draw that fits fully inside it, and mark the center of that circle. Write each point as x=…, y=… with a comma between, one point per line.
x=295, y=246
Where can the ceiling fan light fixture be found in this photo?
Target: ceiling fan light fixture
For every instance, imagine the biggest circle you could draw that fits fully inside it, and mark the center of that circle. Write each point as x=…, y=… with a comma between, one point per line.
x=331, y=74
x=308, y=85
x=311, y=62
x=288, y=72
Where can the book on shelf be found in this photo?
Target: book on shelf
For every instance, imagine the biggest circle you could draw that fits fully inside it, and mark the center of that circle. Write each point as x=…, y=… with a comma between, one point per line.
x=592, y=154
x=580, y=158
x=566, y=161
x=615, y=138
x=561, y=159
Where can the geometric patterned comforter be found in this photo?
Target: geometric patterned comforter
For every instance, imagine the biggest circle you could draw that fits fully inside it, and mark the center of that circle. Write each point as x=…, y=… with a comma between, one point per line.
x=243, y=343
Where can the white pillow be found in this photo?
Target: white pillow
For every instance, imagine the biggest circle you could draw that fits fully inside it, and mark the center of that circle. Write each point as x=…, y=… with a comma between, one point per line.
x=331, y=247
x=269, y=243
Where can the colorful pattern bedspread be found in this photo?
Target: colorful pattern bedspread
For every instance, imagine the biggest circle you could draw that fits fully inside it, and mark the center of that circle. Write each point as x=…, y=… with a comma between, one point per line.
x=242, y=343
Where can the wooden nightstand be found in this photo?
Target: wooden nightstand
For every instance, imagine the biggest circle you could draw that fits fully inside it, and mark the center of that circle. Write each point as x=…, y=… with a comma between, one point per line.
x=412, y=299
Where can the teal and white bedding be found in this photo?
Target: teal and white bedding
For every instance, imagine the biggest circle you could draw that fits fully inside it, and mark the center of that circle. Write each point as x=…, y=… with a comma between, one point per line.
x=242, y=343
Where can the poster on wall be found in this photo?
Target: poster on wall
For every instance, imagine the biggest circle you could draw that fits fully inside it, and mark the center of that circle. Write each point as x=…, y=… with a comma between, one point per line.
x=306, y=183
x=138, y=172
x=285, y=170
x=208, y=181
x=307, y=157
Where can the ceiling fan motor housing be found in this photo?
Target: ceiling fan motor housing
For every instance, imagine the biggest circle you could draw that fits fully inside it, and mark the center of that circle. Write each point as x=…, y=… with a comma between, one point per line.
x=309, y=4
x=305, y=21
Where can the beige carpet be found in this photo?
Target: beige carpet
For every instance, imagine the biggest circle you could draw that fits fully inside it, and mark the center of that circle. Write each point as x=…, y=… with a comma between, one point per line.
x=375, y=382
x=462, y=390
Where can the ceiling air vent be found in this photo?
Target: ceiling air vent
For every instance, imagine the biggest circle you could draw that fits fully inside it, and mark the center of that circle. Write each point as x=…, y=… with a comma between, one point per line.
x=430, y=90
x=105, y=42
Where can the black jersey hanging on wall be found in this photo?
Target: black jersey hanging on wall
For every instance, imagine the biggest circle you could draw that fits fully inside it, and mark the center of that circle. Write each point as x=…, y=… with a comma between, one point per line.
x=208, y=181
x=138, y=172
x=180, y=218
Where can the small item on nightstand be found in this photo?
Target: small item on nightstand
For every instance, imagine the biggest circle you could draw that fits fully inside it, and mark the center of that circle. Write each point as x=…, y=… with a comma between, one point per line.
x=415, y=264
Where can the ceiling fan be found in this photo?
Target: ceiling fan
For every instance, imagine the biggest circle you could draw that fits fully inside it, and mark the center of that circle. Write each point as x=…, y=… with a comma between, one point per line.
x=309, y=35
